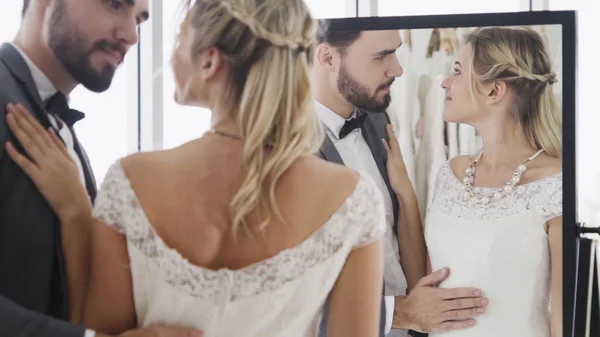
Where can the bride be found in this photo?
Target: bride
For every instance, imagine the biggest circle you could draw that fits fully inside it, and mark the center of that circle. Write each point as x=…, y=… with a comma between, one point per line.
x=496, y=218
x=242, y=232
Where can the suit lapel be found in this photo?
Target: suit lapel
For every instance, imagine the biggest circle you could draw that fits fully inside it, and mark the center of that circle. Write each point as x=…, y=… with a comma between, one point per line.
x=17, y=66
x=373, y=139
x=329, y=152
x=90, y=180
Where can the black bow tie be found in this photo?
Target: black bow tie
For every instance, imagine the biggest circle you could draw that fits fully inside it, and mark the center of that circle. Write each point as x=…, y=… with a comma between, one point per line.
x=58, y=106
x=351, y=124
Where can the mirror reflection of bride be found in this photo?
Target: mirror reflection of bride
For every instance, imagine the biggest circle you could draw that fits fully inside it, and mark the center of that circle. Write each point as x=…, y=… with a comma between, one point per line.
x=495, y=218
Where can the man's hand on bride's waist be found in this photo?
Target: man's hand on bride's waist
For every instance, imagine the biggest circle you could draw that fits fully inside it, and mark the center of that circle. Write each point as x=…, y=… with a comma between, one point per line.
x=431, y=309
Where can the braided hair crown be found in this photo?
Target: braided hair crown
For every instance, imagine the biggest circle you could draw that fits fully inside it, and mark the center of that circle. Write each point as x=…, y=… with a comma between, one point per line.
x=519, y=57
x=241, y=12
x=514, y=55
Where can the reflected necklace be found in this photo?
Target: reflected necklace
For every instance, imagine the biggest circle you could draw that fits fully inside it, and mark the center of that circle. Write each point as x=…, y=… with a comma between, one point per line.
x=475, y=194
x=224, y=134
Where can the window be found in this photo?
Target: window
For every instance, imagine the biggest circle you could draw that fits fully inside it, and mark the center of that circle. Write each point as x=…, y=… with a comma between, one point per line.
x=10, y=16
x=430, y=7
x=104, y=131
x=588, y=168
x=182, y=123
x=331, y=8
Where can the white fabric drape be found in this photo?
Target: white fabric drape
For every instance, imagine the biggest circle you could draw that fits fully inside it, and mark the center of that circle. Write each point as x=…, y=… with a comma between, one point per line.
x=404, y=114
x=432, y=150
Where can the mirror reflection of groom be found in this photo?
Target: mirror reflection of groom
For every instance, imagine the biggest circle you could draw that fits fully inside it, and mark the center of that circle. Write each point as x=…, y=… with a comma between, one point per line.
x=352, y=72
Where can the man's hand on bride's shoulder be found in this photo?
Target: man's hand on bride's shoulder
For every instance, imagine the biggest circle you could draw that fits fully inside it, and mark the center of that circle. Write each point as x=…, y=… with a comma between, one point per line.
x=157, y=331
x=428, y=308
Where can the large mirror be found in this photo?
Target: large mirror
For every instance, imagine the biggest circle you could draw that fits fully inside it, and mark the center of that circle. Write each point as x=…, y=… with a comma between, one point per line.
x=483, y=112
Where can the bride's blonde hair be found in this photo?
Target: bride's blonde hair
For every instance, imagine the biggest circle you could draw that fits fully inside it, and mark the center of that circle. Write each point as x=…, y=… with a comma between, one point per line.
x=267, y=44
x=519, y=57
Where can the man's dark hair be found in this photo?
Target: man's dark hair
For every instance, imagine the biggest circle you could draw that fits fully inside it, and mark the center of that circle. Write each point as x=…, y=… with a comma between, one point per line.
x=25, y=5
x=340, y=39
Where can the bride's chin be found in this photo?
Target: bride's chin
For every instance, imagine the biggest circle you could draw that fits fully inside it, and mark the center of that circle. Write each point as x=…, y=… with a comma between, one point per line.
x=180, y=99
x=189, y=102
x=452, y=116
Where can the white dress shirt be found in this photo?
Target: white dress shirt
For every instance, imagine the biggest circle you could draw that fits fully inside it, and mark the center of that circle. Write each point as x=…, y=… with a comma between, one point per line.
x=356, y=154
x=46, y=90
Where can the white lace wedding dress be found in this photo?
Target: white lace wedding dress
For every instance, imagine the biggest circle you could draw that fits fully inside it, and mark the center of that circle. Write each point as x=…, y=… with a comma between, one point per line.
x=501, y=248
x=280, y=296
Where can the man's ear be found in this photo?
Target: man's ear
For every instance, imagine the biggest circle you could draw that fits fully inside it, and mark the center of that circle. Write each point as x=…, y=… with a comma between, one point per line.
x=324, y=55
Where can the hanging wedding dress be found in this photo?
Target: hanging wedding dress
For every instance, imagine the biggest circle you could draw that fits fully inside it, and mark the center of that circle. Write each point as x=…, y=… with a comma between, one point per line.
x=452, y=139
x=433, y=151
x=424, y=85
x=404, y=112
x=432, y=148
x=469, y=142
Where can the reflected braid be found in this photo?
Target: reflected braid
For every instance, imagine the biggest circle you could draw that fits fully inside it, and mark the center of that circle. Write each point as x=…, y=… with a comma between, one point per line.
x=520, y=73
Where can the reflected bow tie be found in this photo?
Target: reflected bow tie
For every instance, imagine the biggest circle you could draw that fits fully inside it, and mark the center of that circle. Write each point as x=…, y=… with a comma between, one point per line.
x=58, y=106
x=351, y=124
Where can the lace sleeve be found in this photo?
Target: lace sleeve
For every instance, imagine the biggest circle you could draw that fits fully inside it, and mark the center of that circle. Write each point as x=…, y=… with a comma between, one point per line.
x=112, y=198
x=551, y=205
x=369, y=213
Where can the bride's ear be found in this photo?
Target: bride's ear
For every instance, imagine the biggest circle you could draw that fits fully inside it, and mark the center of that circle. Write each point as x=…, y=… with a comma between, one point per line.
x=211, y=63
x=496, y=92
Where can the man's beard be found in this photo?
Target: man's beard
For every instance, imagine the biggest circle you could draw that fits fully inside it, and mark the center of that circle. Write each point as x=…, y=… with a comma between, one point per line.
x=70, y=48
x=357, y=94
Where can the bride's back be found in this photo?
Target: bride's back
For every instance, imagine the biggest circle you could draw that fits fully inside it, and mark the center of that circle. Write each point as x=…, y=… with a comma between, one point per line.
x=186, y=192
x=247, y=60
x=186, y=269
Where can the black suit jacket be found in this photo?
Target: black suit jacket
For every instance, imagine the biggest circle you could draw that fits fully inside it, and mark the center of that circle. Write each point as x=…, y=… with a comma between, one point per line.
x=373, y=130
x=31, y=259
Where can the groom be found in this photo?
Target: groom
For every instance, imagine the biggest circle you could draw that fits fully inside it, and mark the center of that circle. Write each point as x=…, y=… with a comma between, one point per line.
x=351, y=75
x=60, y=44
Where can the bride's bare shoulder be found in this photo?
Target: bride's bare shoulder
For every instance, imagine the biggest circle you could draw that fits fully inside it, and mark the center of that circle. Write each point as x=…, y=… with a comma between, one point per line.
x=328, y=171
x=542, y=167
x=325, y=176
x=146, y=164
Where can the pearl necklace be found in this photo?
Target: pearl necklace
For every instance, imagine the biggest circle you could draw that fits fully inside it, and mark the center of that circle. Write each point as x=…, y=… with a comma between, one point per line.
x=474, y=194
